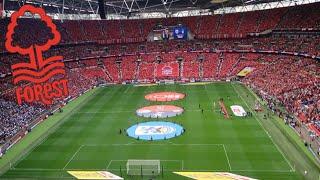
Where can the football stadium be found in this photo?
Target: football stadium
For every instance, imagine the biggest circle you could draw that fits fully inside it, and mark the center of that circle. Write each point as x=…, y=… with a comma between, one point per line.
x=160, y=89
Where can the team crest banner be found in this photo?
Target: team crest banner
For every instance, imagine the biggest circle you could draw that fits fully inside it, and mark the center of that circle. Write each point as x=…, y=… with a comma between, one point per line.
x=153, y=130
x=168, y=70
x=45, y=77
x=238, y=110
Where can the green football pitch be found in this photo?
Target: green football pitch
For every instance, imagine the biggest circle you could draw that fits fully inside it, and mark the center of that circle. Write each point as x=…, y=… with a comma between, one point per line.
x=86, y=137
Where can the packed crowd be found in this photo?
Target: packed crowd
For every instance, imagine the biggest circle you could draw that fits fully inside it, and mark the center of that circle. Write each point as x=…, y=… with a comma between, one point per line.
x=203, y=27
x=292, y=82
x=304, y=45
x=13, y=117
x=299, y=93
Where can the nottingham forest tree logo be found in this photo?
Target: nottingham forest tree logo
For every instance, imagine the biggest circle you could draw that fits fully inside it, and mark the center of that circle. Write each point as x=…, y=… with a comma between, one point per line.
x=38, y=71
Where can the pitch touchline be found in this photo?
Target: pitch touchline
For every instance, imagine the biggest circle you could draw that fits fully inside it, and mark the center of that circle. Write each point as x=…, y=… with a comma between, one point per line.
x=26, y=154
x=292, y=169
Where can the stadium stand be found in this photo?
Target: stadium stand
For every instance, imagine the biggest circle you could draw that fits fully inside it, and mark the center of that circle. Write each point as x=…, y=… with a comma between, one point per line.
x=190, y=66
x=109, y=53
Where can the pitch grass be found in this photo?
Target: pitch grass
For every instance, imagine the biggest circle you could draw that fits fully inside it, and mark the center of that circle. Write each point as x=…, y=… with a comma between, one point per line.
x=89, y=138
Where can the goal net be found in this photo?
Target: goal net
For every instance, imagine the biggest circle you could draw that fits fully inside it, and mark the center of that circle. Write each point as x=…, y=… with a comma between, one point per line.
x=143, y=167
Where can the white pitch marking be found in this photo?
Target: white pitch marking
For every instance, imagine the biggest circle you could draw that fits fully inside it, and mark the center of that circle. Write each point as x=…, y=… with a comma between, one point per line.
x=73, y=156
x=225, y=151
x=292, y=169
x=169, y=144
x=200, y=170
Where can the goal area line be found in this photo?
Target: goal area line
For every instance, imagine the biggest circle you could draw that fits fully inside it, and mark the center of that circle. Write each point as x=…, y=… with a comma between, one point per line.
x=180, y=162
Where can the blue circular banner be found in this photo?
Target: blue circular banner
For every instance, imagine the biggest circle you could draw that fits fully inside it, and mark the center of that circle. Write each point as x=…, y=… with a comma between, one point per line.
x=155, y=130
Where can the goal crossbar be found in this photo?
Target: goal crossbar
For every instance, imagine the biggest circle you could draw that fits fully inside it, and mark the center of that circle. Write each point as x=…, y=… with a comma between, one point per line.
x=143, y=167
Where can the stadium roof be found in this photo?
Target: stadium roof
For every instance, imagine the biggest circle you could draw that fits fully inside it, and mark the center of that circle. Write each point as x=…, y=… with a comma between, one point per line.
x=119, y=9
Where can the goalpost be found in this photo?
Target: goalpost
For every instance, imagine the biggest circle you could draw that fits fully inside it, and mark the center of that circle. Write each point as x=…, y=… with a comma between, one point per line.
x=143, y=167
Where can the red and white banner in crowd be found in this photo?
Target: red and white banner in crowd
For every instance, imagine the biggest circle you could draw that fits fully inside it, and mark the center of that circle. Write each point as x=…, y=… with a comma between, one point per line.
x=168, y=70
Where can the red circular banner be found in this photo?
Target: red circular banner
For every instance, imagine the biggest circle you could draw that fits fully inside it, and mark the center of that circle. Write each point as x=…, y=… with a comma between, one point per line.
x=159, y=111
x=164, y=96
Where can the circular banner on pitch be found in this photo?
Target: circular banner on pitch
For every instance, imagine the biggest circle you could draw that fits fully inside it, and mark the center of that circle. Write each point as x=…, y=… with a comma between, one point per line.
x=164, y=96
x=159, y=111
x=155, y=130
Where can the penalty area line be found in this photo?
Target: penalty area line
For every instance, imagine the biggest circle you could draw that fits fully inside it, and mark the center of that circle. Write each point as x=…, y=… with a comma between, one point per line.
x=200, y=170
x=168, y=144
x=225, y=151
x=74, y=155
